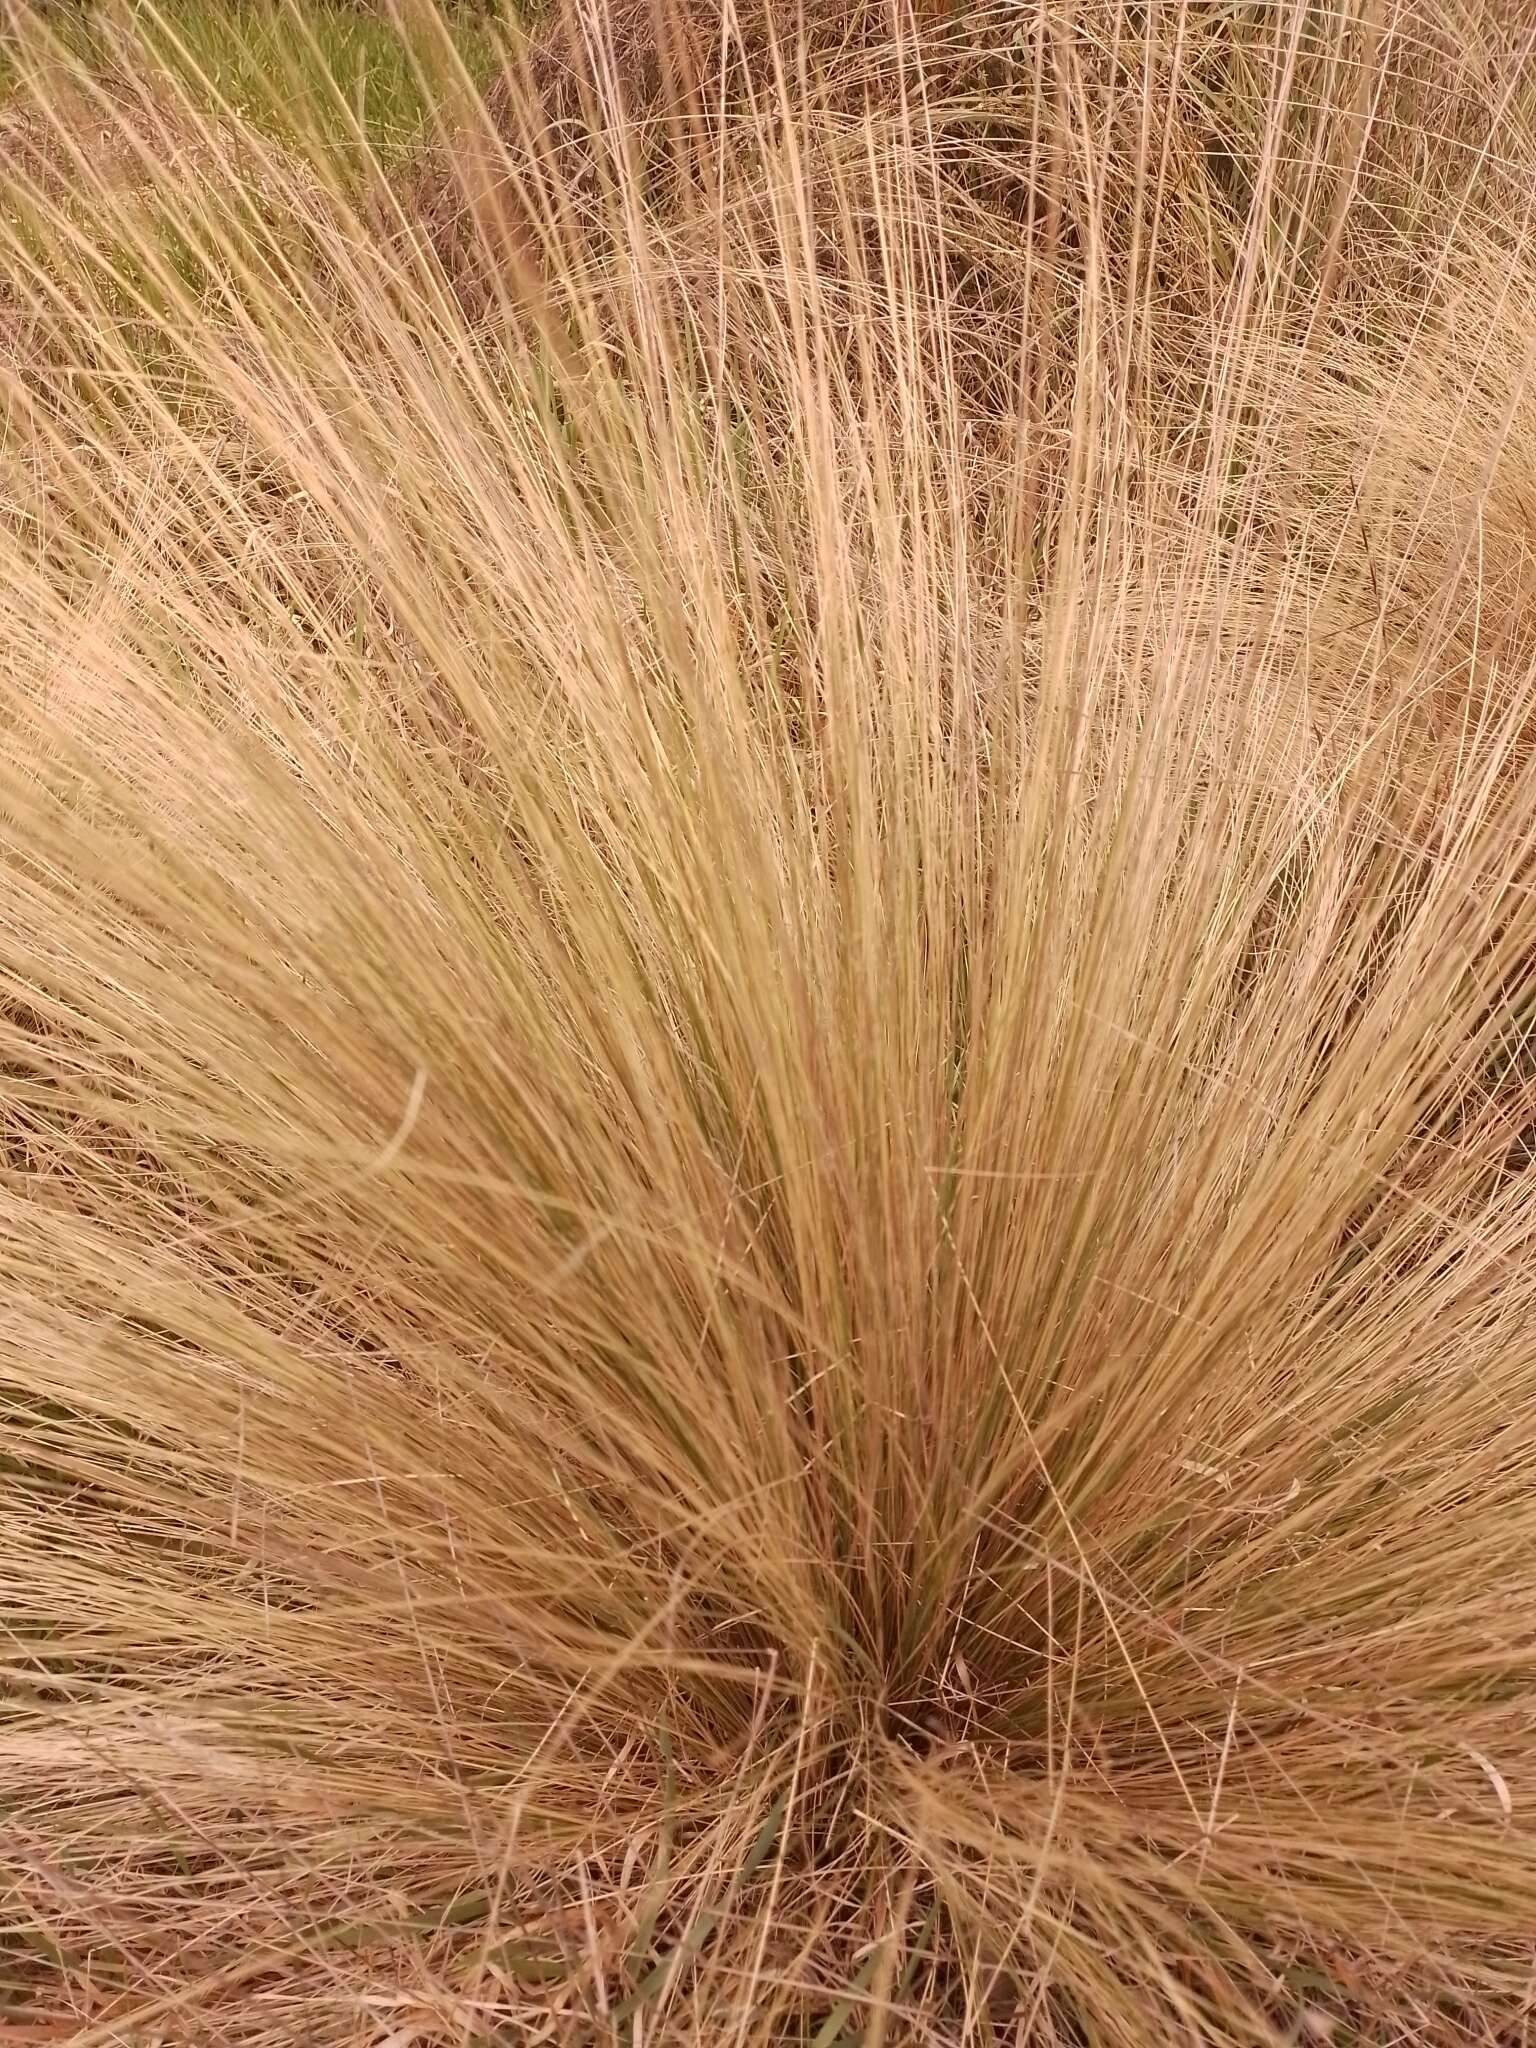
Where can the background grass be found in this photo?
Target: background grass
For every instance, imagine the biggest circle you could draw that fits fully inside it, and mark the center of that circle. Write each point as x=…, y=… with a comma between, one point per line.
x=278, y=65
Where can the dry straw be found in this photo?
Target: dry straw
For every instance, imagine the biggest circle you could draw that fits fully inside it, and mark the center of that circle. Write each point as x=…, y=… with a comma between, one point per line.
x=765, y=1000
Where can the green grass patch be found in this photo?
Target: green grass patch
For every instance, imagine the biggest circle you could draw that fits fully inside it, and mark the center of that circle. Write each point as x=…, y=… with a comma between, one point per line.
x=293, y=72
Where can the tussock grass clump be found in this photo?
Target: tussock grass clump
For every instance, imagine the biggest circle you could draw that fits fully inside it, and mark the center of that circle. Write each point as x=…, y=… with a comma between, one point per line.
x=765, y=1213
